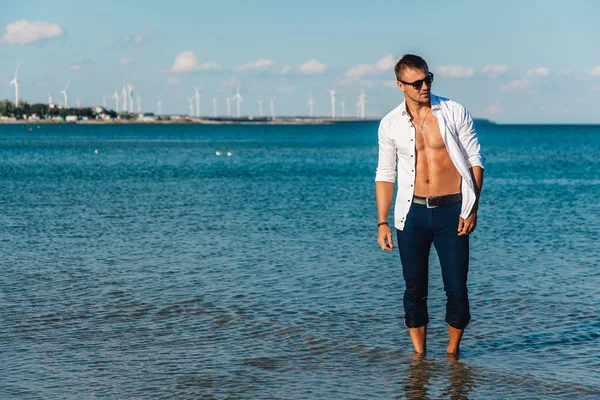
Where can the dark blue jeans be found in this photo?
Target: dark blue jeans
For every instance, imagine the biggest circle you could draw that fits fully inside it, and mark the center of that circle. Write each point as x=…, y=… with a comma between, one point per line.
x=439, y=226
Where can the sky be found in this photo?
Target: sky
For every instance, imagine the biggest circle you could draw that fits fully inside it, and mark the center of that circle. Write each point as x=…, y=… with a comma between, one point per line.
x=508, y=61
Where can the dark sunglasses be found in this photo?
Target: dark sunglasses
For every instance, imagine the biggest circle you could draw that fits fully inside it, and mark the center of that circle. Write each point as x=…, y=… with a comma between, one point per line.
x=419, y=84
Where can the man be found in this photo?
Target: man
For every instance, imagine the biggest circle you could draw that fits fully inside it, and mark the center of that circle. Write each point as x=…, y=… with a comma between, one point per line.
x=429, y=143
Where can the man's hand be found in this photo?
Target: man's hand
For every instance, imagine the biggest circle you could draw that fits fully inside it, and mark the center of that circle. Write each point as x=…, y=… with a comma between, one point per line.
x=467, y=226
x=385, y=233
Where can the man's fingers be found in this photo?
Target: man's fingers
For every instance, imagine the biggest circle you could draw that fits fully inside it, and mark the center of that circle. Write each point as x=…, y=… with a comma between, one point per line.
x=461, y=224
x=389, y=239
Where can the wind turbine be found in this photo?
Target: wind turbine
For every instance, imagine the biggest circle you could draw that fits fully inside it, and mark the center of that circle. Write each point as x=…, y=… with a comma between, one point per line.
x=139, y=104
x=159, y=107
x=65, y=93
x=130, y=88
x=228, y=99
x=50, y=98
x=343, y=107
x=362, y=99
x=311, y=104
x=104, y=102
x=124, y=97
x=358, y=108
x=78, y=104
x=15, y=82
x=215, y=107
x=191, y=104
x=197, y=98
x=239, y=99
x=272, y=107
x=332, y=95
x=260, y=103
x=116, y=97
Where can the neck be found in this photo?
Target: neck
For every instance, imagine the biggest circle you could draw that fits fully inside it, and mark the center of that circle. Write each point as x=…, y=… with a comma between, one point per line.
x=416, y=109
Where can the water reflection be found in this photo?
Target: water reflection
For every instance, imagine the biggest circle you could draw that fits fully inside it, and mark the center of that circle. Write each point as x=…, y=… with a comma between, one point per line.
x=460, y=382
x=419, y=373
x=460, y=378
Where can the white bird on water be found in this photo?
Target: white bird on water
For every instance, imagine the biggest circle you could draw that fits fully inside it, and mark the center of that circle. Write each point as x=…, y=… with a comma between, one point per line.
x=229, y=154
x=218, y=153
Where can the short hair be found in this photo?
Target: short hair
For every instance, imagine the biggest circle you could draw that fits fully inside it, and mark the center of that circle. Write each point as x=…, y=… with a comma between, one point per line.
x=410, y=61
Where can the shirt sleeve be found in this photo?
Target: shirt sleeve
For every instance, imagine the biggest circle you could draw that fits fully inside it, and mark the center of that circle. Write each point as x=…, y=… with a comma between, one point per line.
x=468, y=140
x=386, y=168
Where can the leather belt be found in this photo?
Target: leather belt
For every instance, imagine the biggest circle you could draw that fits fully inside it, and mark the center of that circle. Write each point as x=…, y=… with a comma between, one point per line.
x=438, y=201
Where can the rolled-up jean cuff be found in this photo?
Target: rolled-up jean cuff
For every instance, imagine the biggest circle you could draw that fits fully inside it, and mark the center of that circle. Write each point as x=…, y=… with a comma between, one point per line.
x=415, y=322
x=458, y=323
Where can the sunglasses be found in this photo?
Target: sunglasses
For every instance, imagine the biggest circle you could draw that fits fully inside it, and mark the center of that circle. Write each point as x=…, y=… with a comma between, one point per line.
x=419, y=84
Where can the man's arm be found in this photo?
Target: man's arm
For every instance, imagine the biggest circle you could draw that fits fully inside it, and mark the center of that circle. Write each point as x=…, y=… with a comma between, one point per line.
x=477, y=174
x=384, y=186
x=471, y=148
x=384, y=193
x=468, y=225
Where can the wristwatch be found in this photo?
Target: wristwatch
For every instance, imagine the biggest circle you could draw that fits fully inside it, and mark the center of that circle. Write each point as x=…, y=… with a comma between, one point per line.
x=382, y=223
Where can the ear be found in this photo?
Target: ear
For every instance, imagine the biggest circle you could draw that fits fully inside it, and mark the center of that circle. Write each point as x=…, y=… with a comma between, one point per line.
x=400, y=86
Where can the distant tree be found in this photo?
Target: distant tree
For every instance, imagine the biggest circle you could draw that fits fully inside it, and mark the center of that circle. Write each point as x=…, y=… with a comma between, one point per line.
x=39, y=109
x=6, y=108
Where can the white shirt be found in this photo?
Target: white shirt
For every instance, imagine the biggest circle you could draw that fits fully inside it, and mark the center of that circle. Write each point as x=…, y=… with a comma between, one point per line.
x=397, y=152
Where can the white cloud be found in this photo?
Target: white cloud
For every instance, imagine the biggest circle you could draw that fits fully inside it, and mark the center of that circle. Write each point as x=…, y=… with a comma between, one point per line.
x=494, y=70
x=596, y=70
x=493, y=109
x=260, y=64
x=187, y=62
x=312, y=67
x=361, y=69
x=75, y=67
x=455, y=71
x=540, y=71
x=173, y=81
x=387, y=63
x=232, y=81
x=125, y=60
x=287, y=89
x=285, y=70
x=24, y=32
x=519, y=84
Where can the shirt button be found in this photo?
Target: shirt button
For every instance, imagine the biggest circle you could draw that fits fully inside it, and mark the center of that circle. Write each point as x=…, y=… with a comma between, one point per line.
x=411, y=155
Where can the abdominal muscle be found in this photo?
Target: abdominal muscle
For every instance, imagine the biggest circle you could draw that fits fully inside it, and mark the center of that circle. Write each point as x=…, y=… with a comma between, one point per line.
x=437, y=178
x=436, y=174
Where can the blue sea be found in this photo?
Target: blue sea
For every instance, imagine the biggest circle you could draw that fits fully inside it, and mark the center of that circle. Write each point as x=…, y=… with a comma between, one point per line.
x=136, y=263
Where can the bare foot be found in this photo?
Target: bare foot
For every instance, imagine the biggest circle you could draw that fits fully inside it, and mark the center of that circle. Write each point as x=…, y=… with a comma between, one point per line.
x=452, y=351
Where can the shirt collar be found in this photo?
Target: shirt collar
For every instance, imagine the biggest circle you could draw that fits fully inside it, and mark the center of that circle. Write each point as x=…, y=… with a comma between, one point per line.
x=435, y=105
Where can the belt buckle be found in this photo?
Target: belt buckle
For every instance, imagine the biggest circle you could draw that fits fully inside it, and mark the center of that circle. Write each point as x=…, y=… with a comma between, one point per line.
x=427, y=202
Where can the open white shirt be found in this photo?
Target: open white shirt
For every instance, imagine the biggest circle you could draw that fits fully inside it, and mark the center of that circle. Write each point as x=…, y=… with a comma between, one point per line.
x=397, y=152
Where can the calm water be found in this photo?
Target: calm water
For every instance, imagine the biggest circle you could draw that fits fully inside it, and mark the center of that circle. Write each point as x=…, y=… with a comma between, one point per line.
x=156, y=269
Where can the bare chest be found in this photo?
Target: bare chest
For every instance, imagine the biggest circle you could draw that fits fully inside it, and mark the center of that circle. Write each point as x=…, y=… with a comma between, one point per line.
x=429, y=139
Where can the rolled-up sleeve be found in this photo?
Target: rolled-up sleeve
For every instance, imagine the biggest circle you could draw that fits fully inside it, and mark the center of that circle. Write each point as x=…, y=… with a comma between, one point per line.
x=468, y=139
x=386, y=168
